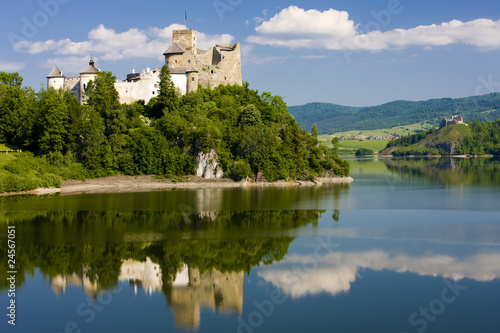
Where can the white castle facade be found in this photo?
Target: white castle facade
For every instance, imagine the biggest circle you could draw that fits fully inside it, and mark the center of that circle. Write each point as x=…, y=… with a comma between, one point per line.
x=188, y=65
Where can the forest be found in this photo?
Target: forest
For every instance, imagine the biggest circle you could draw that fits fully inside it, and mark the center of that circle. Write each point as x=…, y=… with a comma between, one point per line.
x=333, y=118
x=250, y=132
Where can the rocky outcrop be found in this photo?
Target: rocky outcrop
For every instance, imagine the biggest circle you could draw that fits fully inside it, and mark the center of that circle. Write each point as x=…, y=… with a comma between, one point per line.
x=207, y=165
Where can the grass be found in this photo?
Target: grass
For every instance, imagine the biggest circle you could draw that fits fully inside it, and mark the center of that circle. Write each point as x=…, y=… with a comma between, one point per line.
x=349, y=147
x=397, y=130
x=3, y=147
x=5, y=159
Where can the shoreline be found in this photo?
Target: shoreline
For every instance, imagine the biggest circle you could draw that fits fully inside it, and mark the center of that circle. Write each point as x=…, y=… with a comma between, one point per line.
x=128, y=184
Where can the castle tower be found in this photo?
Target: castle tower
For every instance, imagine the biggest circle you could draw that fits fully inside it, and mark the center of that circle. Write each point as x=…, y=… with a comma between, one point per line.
x=186, y=38
x=55, y=79
x=192, y=79
x=87, y=75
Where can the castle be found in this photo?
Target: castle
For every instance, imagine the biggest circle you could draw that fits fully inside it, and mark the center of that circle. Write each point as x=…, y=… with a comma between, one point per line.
x=453, y=121
x=188, y=65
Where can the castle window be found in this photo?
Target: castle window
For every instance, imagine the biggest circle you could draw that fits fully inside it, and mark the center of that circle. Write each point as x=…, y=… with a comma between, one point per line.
x=84, y=86
x=153, y=92
x=212, y=71
x=192, y=79
x=176, y=61
x=189, y=61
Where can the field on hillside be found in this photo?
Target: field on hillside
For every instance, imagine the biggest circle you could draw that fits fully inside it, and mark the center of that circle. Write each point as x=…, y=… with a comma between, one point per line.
x=349, y=147
x=394, y=131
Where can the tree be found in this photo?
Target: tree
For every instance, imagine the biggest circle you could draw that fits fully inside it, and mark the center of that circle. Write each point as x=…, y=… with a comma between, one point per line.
x=314, y=131
x=168, y=98
x=104, y=98
x=11, y=79
x=335, y=146
x=53, y=122
x=13, y=115
x=249, y=116
x=364, y=152
x=93, y=139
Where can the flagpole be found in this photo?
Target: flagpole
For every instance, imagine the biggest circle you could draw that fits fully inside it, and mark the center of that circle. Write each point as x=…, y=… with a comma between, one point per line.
x=185, y=18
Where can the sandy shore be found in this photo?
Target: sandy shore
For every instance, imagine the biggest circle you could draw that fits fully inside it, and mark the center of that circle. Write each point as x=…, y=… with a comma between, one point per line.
x=122, y=184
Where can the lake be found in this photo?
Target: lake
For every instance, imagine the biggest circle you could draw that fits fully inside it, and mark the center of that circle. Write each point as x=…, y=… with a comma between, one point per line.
x=412, y=245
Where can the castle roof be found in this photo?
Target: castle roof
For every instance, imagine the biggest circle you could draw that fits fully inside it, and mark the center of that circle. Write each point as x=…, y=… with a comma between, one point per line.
x=175, y=49
x=191, y=70
x=90, y=68
x=178, y=70
x=56, y=72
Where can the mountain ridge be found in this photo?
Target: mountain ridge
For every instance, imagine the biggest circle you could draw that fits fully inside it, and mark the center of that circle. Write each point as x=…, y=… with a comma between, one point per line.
x=330, y=118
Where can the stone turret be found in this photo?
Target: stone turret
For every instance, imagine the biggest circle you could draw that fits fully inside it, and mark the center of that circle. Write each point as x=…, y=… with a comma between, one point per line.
x=55, y=79
x=192, y=79
x=87, y=75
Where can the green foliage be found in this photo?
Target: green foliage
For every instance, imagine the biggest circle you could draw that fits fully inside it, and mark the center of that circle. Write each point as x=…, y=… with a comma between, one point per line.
x=168, y=97
x=14, y=115
x=333, y=118
x=240, y=170
x=476, y=139
x=27, y=172
x=485, y=139
x=364, y=152
x=52, y=122
x=314, y=131
x=11, y=79
x=250, y=133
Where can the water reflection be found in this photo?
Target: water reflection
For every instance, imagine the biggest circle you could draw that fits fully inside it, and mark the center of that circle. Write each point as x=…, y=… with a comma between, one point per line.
x=336, y=271
x=190, y=291
x=448, y=171
x=197, y=259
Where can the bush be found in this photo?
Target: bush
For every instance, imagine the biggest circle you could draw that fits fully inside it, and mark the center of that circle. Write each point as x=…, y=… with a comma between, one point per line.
x=364, y=152
x=240, y=170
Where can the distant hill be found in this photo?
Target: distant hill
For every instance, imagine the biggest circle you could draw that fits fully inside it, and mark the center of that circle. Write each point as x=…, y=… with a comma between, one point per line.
x=331, y=118
x=477, y=138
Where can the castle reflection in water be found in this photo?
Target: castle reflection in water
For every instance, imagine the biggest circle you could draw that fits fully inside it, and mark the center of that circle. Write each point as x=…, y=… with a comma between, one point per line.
x=189, y=293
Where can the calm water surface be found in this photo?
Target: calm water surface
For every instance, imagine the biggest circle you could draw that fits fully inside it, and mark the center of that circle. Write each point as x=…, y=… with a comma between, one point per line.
x=409, y=246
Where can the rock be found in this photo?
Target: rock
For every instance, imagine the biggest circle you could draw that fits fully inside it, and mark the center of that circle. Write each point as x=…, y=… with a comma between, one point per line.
x=260, y=178
x=207, y=165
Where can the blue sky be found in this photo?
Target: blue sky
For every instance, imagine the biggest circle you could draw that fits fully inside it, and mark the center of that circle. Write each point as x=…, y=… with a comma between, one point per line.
x=354, y=53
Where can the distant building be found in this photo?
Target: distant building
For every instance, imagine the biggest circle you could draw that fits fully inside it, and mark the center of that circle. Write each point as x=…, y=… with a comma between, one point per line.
x=453, y=121
x=188, y=65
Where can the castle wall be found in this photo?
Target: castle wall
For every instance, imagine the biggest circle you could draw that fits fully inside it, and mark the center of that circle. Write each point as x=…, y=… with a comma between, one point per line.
x=224, y=66
x=180, y=81
x=145, y=88
x=73, y=84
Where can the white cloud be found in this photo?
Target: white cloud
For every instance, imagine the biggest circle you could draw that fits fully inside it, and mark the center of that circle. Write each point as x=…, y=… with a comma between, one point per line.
x=11, y=66
x=337, y=271
x=108, y=44
x=295, y=27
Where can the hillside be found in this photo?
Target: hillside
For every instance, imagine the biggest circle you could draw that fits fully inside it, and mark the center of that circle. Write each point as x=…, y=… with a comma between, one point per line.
x=331, y=118
x=476, y=139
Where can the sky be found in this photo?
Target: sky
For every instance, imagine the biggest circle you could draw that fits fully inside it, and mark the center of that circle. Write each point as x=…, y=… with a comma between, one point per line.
x=355, y=53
